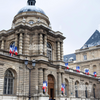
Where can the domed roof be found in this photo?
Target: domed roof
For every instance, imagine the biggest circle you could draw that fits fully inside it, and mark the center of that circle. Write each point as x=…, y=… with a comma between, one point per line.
x=31, y=8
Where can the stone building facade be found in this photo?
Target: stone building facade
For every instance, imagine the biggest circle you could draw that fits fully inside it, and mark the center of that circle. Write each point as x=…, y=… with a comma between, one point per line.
x=32, y=35
x=88, y=56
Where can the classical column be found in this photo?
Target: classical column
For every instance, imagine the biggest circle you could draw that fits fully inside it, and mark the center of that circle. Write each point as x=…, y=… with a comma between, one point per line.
x=46, y=79
x=71, y=88
x=59, y=84
x=58, y=45
x=40, y=80
x=41, y=44
x=16, y=40
x=26, y=44
x=45, y=45
x=62, y=51
x=91, y=90
x=20, y=43
x=79, y=90
x=83, y=90
x=2, y=44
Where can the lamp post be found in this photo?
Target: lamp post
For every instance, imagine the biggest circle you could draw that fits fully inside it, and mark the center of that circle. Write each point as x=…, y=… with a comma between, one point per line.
x=33, y=65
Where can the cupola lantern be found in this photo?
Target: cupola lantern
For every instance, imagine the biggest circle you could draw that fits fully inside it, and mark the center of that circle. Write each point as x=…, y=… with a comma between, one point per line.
x=31, y=2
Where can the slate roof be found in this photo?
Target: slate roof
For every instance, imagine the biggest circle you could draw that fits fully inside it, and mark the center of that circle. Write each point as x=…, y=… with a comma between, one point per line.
x=69, y=57
x=94, y=40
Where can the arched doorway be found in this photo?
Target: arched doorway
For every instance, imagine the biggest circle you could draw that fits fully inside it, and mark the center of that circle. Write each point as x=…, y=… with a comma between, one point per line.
x=51, y=86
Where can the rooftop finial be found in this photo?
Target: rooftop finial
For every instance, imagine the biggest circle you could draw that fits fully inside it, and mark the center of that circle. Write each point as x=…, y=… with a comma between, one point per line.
x=31, y=2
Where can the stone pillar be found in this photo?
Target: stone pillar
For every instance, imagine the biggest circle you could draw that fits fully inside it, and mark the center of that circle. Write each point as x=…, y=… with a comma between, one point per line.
x=79, y=90
x=91, y=90
x=16, y=40
x=26, y=44
x=46, y=79
x=20, y=43
x=40, y=80
x=41, y=44
x=58, y=45
x=2, y=44
x=71, y=88
x=45, y=45
x=59, y=84
x=83, y=90
x=62, y=51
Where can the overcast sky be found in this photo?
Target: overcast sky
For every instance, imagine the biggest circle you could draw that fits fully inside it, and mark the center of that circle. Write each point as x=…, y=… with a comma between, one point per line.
x=76, y=19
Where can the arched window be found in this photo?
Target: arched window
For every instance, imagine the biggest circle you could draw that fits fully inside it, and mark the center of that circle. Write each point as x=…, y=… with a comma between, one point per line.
x=8, y=82
x=86, y=92
x=94, y=86
x=49, y=51
x=76, y=89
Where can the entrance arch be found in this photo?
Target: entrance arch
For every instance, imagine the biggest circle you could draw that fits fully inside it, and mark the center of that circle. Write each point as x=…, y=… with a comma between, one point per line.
x=51, y=86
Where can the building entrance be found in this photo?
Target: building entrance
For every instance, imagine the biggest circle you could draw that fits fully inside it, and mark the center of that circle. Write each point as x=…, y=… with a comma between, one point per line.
x=51, y=87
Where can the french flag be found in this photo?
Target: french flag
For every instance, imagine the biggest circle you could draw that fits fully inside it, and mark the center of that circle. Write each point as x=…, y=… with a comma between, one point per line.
x=13, y=49
x=95, y=74
x=78, y=69
x=66, y=64
x=16, y=52
x=44, y=86
x=10, y=51
x=62, y=88
x=87, y=71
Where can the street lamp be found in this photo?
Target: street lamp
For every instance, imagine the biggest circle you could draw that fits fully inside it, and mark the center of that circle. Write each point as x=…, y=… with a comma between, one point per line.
x=33, y=66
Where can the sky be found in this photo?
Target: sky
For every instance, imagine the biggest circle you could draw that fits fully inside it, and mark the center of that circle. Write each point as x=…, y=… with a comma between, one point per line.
x=76, y=19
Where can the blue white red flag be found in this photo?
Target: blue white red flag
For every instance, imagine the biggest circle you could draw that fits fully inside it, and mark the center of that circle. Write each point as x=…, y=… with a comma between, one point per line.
x=66, y=64
x=87, y=71
x=13, y=49
x=11, y=54
x=63, y=88
x=95, y=74
x=44, y=86
x=16, y=52
x=10, y=51
x=78, y=69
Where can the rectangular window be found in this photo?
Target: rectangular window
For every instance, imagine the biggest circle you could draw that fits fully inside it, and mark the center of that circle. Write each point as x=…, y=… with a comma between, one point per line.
x=85, y=57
